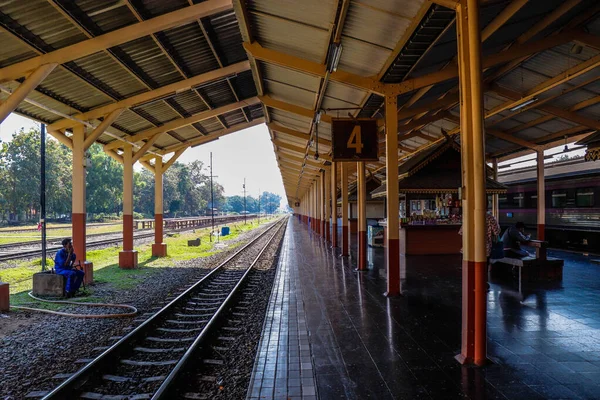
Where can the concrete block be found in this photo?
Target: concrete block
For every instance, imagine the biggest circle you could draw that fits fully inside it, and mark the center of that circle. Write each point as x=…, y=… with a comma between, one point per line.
x=88, y=268
x=4, y=296
x=159, y=250
x=128, y=259
x=48, y=284
x=194, y=243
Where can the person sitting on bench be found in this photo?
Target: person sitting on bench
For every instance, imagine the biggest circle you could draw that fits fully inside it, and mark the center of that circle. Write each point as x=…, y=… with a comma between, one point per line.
x=512, y=239
x=63, y=265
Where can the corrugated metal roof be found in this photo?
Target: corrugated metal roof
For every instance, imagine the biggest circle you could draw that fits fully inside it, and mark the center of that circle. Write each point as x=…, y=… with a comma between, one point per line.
x=43, y=21
x=302, y=12
x=355, y=53
x=307, y=41
x=148, y=57
x=298, y=96
x=13, y=50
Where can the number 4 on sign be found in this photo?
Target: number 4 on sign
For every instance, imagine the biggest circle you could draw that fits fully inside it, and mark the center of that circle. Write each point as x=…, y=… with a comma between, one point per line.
x=355, y=141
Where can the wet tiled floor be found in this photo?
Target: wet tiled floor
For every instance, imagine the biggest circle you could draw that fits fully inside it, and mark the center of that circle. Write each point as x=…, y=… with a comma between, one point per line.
x=544, y=341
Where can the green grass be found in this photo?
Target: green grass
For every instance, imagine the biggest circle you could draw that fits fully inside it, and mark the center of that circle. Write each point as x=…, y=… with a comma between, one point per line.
x=107, y=271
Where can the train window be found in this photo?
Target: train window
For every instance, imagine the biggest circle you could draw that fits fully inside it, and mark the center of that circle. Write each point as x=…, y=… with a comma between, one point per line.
x=519, y=200
x=559, y=198
x=503, y=201
x=585, y=197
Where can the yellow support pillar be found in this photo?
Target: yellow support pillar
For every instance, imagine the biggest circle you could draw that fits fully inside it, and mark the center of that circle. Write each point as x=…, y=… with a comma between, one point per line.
x=321, y=201
x=326, y=186
x=392, y=248
x=541, y=203
x=345, y=230
x=362, y=216
x=474, y=265
x=159, y=249
x=78, y=209
x=128, y=258
x=333, y=205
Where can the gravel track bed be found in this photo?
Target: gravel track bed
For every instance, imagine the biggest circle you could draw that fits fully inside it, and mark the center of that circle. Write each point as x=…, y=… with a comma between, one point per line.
x=231, y=272
x=230, y=381
x=34, y=347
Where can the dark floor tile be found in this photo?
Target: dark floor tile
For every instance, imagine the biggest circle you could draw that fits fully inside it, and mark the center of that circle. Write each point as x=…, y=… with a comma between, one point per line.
x=519, y=392
x=555, y=392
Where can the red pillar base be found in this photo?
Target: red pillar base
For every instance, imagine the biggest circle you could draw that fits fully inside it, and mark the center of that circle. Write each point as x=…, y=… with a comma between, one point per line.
x=128, y=259
x=159, y=250
x=4, y=297
x=327, y=233
x=474, y=313
x=88, y=268
x=392, y=255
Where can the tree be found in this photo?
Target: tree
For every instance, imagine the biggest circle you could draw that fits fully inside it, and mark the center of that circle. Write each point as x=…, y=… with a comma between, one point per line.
x=269, y=202
x=20, y=176
x=104, y=183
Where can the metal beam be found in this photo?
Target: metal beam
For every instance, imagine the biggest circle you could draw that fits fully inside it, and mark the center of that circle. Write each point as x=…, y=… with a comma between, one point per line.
x=178, y=123
x=292, y=108
x=115, y=38
x=9, y=105
x=108, y=120
x=312, y=68
x=153, y=95
x=212, y=136
x=556, y=111
x=294, y=133
x=511, y=138
x=300, y=150
x=369, y=84
x=549, y=84
x=173, y=158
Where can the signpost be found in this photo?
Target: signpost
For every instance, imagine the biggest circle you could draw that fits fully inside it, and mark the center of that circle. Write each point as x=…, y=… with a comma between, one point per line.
x=354, y=139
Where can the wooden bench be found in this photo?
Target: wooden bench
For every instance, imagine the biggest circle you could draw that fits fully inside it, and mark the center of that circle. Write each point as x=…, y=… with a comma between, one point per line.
x=535, y=268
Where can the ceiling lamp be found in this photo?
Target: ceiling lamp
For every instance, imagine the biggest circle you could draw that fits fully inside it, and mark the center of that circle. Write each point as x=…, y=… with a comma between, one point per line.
x=566, y=149
x=524, y=104
x=333, y=56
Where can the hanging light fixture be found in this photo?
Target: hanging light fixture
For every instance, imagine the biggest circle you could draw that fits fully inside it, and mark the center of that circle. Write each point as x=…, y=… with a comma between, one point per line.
x=566, y=149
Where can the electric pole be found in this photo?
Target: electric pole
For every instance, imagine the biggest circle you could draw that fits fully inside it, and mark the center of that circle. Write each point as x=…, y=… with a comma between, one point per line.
x=43, y=192
x=212, y=201
x=245, y=212
x=259, y=206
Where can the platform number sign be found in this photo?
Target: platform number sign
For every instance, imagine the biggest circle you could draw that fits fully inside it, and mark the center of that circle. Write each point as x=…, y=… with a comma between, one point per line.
x=354, y=139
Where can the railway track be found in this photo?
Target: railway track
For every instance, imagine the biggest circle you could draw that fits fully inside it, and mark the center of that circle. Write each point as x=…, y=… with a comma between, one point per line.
x=147, y=362
x=38, y=252
x=96, y=243
x=7, y=246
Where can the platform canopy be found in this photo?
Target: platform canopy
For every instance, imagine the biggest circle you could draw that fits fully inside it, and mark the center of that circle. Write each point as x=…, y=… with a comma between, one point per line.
x=541, y=75
x=164, y=75
x=167, y=75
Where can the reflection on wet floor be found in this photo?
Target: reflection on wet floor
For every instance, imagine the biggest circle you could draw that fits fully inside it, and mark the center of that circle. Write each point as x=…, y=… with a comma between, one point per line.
x=544, y=340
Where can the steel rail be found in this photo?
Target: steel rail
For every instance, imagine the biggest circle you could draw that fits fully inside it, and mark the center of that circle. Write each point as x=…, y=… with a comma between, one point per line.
x=67, y=388
x=165, y=388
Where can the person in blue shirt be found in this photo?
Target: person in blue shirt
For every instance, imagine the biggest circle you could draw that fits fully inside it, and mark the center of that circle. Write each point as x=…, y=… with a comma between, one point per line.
x=63, y=265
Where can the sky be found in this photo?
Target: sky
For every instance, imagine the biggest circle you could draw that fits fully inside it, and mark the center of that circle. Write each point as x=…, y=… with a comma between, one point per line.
x=246, y=154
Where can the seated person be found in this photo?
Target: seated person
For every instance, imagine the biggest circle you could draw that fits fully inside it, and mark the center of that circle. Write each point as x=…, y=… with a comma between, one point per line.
x=63, y=265
x=512, y=239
